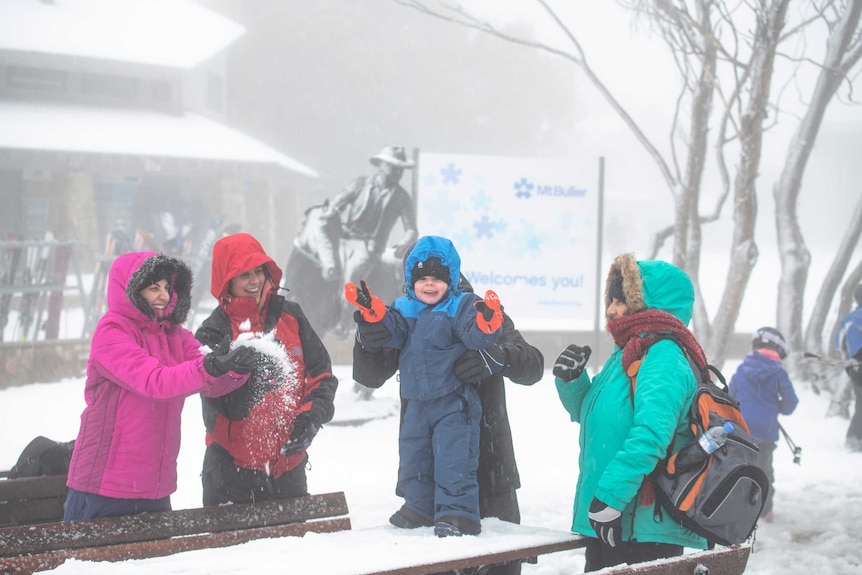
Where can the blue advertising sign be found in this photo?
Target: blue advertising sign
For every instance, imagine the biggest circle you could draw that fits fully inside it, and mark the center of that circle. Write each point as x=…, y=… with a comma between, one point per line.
x=526, y=228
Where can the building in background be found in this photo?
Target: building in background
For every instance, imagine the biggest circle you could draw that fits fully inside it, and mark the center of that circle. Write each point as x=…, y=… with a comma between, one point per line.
x=112, y=129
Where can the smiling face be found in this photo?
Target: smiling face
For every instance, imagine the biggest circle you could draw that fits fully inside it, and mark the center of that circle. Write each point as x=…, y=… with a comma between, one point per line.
x=430, y=290
x=157, y=296
x=248, y=284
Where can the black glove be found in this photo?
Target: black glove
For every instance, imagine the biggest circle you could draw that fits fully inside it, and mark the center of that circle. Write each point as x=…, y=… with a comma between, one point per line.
x=304, y=429
x=370, y=336
x=570, y=364
x=223, y=359
x=475, y=365
x=607, y=522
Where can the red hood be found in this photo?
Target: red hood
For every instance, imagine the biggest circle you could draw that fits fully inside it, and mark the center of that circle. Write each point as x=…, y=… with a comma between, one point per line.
x=236, y=254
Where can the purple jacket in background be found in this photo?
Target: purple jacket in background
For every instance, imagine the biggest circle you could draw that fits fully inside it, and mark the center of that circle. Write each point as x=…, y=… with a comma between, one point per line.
x=139, y=373
x=763, y=389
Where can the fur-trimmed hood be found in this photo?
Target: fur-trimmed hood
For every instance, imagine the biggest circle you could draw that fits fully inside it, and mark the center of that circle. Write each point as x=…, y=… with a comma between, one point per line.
x=133, y=271
x=653, y=284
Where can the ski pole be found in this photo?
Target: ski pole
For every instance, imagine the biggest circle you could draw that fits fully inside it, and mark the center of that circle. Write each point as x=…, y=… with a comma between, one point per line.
x=813, y=357
x=795, y=449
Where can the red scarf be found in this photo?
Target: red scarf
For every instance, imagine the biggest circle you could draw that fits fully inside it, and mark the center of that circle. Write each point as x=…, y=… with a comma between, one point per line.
x=635, y=333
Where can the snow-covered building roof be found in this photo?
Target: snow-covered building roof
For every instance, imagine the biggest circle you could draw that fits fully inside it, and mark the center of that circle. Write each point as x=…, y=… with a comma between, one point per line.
x=123, y=77
x=84, y=129
x=172, y=33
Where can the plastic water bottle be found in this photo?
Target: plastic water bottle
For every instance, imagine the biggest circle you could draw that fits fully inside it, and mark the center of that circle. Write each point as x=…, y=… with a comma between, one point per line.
x=696, y=452
x=714, y=437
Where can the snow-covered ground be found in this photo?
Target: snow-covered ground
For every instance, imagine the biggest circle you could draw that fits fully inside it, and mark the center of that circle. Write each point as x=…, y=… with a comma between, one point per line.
x=818, y=504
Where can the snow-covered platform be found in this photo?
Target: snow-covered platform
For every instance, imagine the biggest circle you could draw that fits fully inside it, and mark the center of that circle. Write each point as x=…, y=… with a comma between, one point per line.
x=379, y=550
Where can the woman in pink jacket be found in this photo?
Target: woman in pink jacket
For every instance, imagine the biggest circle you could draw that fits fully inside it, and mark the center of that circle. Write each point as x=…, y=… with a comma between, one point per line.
x=142, y=366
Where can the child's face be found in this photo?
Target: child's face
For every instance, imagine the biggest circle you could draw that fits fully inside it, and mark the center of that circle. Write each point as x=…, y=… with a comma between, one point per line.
x=430, y=290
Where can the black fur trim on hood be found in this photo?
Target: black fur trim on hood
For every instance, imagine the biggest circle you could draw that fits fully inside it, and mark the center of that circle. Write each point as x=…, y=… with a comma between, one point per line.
x=179, y=277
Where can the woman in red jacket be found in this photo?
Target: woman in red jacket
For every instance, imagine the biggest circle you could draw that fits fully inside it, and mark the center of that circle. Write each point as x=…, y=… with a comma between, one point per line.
x=257, y=436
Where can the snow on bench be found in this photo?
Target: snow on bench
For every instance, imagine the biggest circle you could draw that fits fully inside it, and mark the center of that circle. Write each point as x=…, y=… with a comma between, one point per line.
x=30, y=548
x=384, y=550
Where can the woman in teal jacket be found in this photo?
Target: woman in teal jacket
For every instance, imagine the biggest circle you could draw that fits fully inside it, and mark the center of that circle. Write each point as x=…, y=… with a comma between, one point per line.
x=623, y=434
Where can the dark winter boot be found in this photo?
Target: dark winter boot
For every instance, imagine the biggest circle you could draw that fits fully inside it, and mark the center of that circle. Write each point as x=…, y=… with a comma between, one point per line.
x=449, y=526
x=406, y=518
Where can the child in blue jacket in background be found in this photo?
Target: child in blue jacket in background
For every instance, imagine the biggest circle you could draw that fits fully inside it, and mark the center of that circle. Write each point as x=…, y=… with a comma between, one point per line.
x=763, y=389
x=433, y=325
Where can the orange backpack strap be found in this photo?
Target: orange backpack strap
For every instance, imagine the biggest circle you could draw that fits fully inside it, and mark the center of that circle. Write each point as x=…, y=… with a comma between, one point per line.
x=632, y=372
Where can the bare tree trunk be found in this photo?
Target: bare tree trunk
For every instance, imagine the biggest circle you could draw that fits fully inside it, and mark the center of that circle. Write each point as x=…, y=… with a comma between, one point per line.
x=814, y=333
x=744, y=252
x=701, y=112
x=795, y=257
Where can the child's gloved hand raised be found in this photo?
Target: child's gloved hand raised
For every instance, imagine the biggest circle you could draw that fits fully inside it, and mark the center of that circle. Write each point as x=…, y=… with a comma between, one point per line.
x=371, y=336
x=489, y=312
x=372, y=307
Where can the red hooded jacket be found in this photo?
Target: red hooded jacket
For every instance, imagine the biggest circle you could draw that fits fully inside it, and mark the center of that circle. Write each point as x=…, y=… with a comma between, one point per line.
x=254, y=422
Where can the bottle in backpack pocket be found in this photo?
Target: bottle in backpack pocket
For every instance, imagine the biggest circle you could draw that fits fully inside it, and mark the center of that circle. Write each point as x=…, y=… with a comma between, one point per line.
x=697, y=451
x=714, y=437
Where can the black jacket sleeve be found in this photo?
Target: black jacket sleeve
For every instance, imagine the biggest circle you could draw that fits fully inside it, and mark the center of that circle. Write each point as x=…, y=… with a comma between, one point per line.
x=318, y=366
x=525, y=364
x=373, y=368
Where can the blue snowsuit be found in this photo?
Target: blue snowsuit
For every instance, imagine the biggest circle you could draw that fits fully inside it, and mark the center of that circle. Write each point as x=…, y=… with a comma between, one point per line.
x=438, y=443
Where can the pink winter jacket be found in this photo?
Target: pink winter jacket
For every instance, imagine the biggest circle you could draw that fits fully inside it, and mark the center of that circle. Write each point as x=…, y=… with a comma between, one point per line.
x=138, y=376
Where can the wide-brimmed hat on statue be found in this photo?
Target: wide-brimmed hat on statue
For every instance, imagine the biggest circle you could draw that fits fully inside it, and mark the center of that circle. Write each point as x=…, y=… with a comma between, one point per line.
x=392, y=155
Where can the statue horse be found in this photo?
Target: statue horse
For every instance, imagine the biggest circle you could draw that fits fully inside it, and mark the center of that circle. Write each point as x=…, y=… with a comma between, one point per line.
x=312, y=274
x=318, y=265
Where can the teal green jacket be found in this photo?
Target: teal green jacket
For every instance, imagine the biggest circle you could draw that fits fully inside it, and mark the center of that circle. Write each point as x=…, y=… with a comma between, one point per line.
x=622, y=441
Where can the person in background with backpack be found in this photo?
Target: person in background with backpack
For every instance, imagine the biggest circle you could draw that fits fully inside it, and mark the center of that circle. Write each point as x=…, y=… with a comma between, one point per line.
x=763, y=389
x=848, y=341
x=624, y=434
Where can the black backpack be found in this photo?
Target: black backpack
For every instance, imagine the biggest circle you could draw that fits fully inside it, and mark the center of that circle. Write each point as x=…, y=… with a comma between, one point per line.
x=718, y=496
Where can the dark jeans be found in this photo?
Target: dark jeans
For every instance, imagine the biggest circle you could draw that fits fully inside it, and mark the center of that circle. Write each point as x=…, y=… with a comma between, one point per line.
x=82, y=505
x=599, y=555
x=225, y=482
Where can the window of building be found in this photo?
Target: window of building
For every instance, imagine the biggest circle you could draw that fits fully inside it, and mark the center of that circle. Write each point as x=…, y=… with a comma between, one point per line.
x=40, y=79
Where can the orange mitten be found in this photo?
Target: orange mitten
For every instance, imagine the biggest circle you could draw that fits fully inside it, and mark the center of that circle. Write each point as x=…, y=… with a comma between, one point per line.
x=489, y=313
x=371, y=307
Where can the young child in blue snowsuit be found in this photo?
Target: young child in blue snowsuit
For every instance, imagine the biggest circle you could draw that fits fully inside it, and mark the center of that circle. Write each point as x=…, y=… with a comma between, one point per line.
x=433, y=325
x=763, y=389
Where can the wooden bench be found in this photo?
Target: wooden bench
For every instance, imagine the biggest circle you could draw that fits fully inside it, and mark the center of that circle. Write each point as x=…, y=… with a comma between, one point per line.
x=719, y=561
x=27, y=549
x=31, y=499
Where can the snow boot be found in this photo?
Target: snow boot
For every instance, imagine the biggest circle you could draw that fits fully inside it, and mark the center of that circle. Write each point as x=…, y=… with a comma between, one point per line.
x=449, y=526
x=406, y=518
